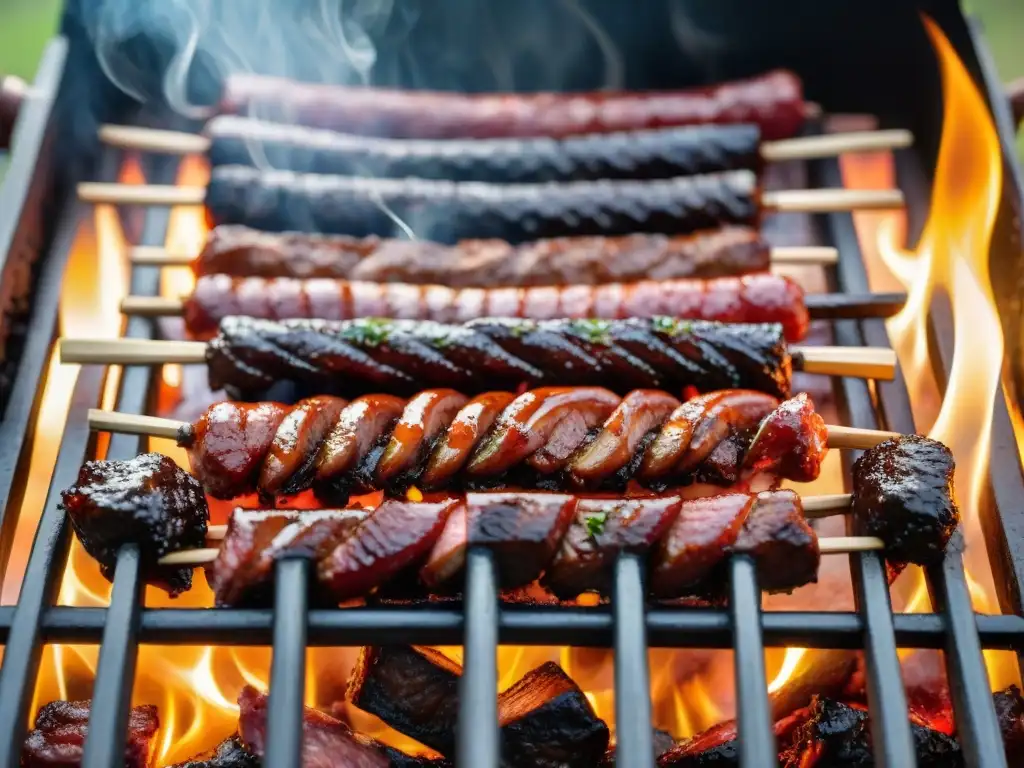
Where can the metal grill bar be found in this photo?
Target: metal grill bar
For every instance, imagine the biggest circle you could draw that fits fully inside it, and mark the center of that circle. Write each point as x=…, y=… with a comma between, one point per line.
x=479, y=742
x=288, y=666
x=633, y=730
x=754, y=732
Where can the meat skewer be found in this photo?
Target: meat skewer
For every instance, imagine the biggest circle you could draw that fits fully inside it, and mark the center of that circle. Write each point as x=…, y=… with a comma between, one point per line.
x=568, y=541
x=750, y=299
x=447, y=211
x=659, y=153
x=553, y=437
x=245, y=252
x=399, y=357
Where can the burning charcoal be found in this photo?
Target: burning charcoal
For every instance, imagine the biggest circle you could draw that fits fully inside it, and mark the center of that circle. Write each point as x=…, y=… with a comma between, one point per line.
x=147, y=501
x=414, y=690
x=62, y=726
x=547, y=722
x=780, y=541
x=662, y=743
x=230, y=753
x=1010, y=711
x=903, y=494
x=243, y=570
x=599, y=531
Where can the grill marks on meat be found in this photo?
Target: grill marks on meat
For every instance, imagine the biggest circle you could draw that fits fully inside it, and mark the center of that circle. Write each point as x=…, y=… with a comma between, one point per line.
x=773, y=101
x=61, y=727
x=650, y=154
x=749, y=299
x=401, y=357
x=447, y=211
x=414, y=690
x=782, y=544
x=904, y=495
x=551, y=438
x=244, y=252
x=147, y=501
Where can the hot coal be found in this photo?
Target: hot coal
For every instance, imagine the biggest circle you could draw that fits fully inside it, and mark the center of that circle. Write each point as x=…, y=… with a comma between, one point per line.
x=230, y=753
x=414, y=690
x=903, y=494
x=147, y=501
x=61, y=727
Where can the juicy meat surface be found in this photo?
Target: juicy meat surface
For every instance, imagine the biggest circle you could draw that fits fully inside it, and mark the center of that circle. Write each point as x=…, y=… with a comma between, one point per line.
x=147, y=501
x=61, y=727
x=782, y=544
x=903, y=494
x=547, y=722
x=791, y=442
x=230, y=753
x=414, y=690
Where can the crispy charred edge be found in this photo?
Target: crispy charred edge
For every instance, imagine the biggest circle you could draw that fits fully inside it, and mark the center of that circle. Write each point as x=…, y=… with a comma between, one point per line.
x=642, y=154
x=726, y=251
x=230, y=753
x=451, y=211
x=60, y=728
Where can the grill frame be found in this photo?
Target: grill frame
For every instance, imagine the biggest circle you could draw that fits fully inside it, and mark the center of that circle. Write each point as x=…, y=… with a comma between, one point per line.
x=627, y=626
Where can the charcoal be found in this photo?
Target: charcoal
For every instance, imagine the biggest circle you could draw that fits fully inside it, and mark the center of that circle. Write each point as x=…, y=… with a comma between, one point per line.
x=1010, y=711
x=230, y=753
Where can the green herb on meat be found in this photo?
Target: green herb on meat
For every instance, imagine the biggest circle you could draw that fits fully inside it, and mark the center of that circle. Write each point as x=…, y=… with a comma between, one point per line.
x=595, y=523
x=368, y=332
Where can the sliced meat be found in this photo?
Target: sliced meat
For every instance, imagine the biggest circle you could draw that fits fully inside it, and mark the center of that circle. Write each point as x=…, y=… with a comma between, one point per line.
x=291, y=458
x=780, y=541
x=414, y=690
x=422, y=422
x=600, y=530
x=226, y=445
x=464, y=433
x=698, y=540
x=448, y=556
x=547, y=722
x=791, y=442
x=398, y=535
x=61, y=728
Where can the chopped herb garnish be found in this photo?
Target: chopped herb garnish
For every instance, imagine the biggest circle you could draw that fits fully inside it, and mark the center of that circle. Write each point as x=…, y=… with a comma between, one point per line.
x=595, y=523
x=518, y=330
x=441, y=342
x=670, y=326
x=368, y=332
x=594, y=331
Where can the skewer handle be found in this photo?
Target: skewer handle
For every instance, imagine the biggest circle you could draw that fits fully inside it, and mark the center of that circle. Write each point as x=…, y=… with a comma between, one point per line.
x=155, y=140
x=131, y=351
x=831, y=200
x=855, y=439
x=152, y=306
x=827, y=505
x=134, y=424
x=139, y=194
x=190, y=557
x=861, y=362
x=157, y=256
x=830, y=145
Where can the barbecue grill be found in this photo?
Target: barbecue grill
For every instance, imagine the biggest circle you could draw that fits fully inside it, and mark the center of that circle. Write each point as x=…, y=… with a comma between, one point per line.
x=872, y=58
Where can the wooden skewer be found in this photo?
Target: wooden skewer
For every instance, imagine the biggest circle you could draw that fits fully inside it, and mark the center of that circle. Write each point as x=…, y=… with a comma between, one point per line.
x=786, y=255
x=784, y=201
x=800, y=148
x=856, y=362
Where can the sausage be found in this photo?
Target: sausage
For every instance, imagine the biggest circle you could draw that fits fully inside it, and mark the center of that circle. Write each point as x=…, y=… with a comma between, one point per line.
x=468, y=427
x=425, y=418
x=358, y=426
x=761, y=298
x=345, y=358
x=447, y=212
x=292, y=454
x=773, y=100
x=244, y=252
x=651, y=154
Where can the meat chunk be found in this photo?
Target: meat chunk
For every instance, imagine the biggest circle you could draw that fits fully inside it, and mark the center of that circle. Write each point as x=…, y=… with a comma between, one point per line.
x=61, y=727
x=781, y=543
x=147, y=501
x=547, y=722
x=414, y=690
x=1010, y=711
x=230, y=753
x=791, y=441
x=903, y=494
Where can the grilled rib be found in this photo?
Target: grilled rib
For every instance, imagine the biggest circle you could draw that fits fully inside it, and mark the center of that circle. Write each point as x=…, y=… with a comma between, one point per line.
x=554, y=437
x=400, y=357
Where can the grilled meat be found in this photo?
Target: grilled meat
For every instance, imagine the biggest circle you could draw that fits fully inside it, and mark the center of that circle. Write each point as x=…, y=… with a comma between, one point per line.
x=401, y=357
x=61, y=727
x=551, y=438
x=230, y=753
x=1010, y=711
x=245, y=252
x=147, y=501
x=750, y=299
x=904, y=495
x=414, y=690
x=773, y=101
x=446, y=211
x=777, y=537
x=660, y=153
x=547, y=722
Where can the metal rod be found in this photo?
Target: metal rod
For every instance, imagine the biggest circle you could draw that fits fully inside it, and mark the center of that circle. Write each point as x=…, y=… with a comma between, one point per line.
x=754, y=732
x=634, y=747
x=288, y=666
x=478, y=737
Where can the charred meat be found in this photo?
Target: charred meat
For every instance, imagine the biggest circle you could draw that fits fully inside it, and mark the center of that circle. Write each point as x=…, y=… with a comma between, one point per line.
x=61, y=727
x=230, y=753
x=147, y=501
x=780, y=541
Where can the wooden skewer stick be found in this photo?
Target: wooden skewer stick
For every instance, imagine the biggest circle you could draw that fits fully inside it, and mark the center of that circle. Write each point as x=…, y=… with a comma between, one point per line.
x=800, y=148
x=786, y=255
x=784, y=201
x=856, y=362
